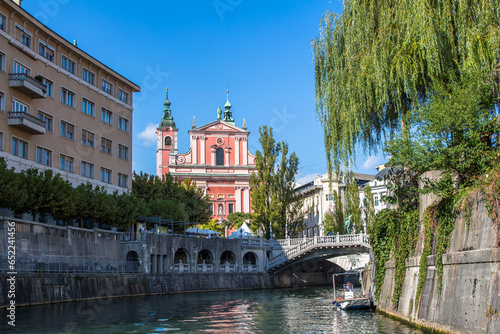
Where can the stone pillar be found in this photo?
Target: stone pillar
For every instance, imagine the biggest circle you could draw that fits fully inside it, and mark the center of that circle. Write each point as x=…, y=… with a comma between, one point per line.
x=194, y=149
x=226, y=160
x=245, y=151
x=237, y=196
x=246, y=199
x=212, y=163
x=203, y=149
x=237, y=151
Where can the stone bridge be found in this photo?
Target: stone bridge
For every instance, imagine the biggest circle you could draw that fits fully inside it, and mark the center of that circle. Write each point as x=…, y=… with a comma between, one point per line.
x=294, y=251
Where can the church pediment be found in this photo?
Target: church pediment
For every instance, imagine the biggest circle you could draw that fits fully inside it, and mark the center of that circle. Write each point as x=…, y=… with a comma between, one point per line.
x=219, y=126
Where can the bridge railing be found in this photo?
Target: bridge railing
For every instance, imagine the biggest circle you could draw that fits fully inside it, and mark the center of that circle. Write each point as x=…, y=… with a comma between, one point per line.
x=305, y=244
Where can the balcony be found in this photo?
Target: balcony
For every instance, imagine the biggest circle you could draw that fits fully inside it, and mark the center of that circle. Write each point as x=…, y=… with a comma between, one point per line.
x=27, y=85
x=26, y=122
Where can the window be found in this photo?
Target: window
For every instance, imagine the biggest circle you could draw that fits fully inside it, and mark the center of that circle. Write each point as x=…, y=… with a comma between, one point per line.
x=122, y=96
x=46, y=51
x=211, y=208
x=19, y=106
x=88, y=76
x=68, y=64
x=106, y=175
x=329, y=197
x=375, y=199
x=107, y=116
x=67, y=97
x=3, y=58
x=19, y=148
x=168, y=141
x=47, y=119
x=18, y=68
x=88, y=107
x=1, y=141
x=49, y=85
x=43, y=156
x=2, y=101
x=107, y=87
x=122, y=152
x=230, y=208
x=87, y=138
x=66, y=163
x=122, y=180
x=219, y=157
x=87, y=169
x=122, y=124
x=3, y=22
x=67, y=130
x=106, y=145
x=23, y=36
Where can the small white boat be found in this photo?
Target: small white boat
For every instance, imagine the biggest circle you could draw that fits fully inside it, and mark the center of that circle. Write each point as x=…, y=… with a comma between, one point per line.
x=347, y=301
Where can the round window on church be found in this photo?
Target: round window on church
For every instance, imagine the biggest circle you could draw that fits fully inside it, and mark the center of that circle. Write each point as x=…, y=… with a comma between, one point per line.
x=220, y=141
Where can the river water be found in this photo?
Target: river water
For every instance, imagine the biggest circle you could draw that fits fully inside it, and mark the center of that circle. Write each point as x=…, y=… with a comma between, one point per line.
x=304, y=310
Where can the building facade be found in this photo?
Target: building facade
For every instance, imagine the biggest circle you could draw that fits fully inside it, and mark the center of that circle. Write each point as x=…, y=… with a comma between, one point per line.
x=60, y=108
x=218, y=159
x=379, y=188
x=318, y=199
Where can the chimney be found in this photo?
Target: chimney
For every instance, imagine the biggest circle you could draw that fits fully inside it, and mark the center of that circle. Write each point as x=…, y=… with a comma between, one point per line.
x=18, y=2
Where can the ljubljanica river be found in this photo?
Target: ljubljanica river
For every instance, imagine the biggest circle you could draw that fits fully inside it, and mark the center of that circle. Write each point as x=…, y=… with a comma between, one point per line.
x=304, y=310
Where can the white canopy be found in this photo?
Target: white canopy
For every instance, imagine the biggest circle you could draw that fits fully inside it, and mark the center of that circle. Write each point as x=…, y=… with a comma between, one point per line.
x=243, y=232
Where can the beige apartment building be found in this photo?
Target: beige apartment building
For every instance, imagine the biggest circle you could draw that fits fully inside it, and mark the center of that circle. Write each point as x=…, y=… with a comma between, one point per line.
x=60, y=108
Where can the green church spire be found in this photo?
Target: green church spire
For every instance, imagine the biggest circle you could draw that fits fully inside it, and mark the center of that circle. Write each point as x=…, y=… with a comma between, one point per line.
x=228, y=115
x=167, y=119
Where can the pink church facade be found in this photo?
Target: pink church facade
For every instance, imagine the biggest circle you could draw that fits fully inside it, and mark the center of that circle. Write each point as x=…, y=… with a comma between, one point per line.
x=218, y=159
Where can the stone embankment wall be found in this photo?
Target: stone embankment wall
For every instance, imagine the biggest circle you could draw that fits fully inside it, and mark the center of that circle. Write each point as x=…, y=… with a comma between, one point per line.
x=64, y=263
x=469, y=301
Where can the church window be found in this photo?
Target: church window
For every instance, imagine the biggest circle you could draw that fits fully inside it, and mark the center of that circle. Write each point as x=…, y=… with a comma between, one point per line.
x=219, y=157
x=168, y=141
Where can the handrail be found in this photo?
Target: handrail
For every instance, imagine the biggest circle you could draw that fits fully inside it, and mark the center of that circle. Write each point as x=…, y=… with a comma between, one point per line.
x=307, y=244
x=25, y=115
x=26, y=77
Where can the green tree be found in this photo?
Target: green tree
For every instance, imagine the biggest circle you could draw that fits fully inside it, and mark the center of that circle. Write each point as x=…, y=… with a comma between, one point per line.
x=452, y=132
x=368, y=206
x=11, y=190
x=236, y=219
x=275, y=205
x=169, y=199
x=380, y=59
x=353, y=209
x=45, y=194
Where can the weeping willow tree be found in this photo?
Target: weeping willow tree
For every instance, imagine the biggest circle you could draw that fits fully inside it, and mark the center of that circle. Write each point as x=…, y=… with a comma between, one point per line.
x=379, y=59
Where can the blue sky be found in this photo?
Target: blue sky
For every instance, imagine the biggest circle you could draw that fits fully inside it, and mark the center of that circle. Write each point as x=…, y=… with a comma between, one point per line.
x=260, y=49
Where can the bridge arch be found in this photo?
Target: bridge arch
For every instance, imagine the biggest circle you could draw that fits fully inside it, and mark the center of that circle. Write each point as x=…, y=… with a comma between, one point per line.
x=181, y=256
x=227, y=257
x=132, y=262
x=250, y=258
x=204, y=256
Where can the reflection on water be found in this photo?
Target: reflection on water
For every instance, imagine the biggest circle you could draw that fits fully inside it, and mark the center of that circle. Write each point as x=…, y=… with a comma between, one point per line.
x=306, y=310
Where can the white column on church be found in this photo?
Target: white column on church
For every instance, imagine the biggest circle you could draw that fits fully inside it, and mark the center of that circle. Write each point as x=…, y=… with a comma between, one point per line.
x=246, y=200
x=226, y=161
x=194, y=148
x=237, y=151
x=203, y=149
x=237, y=196
x=175, y=143
x=245, y=151
x=213, y=157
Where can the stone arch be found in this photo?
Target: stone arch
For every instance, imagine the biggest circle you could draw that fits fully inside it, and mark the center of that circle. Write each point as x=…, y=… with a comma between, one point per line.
x=181, y=255
x=204, y=256
x=227, y=256
x=132, y=262
x=219, y=157
x=250, y=258
x=168, y=141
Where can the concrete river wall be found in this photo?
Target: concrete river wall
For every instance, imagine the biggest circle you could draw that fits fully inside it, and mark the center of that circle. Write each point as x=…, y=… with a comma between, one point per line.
x=64, y=263
x=469, y=301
